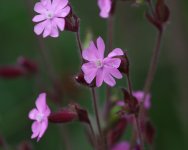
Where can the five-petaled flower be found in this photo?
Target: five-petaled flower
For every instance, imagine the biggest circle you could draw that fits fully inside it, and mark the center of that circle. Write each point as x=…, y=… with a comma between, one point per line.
x=51, y=17
x=105, y=7
x=104, y=69
x=40, y=116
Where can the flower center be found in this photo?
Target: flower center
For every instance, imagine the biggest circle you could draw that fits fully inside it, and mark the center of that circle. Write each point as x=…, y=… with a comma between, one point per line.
x=39, y=117
x=98, y=63
x=49, y=15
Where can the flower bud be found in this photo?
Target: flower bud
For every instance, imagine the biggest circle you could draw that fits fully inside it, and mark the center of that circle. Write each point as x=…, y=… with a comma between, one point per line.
x=62, y=116
x=72, y=22
x=11, y=71
x=149, y=132
x=162, y=11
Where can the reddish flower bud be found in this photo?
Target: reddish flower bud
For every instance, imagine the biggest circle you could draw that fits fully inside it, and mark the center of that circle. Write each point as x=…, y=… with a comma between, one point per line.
x=124, y=66
x=72, y=22
x=29, y=65
x=162, y=11
x=63, y=116
x=80, y=79
x=11, y=71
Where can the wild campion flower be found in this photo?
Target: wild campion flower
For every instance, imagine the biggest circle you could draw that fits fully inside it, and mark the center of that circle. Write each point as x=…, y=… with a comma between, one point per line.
x=105, y=7
x=104, y=69
x=51, y=17
x=40, y=116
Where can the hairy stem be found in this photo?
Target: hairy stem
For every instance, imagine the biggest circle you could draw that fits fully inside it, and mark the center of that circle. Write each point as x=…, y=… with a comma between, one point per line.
x=79, y=43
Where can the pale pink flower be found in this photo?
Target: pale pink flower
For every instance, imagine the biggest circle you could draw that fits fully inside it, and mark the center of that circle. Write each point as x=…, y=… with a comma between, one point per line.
x=139, y=96
x=121, y=146
x=104, y=69
x=105, y=7
x=51, y=17
x=40, y=116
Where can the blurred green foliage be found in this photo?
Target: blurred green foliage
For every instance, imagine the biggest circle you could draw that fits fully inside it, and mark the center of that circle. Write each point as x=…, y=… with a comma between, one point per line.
x=132, y=33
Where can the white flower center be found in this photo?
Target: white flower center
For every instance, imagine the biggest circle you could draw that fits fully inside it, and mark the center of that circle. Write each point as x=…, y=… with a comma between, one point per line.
x=39, y=117
x=99, y=64
x=49, y=14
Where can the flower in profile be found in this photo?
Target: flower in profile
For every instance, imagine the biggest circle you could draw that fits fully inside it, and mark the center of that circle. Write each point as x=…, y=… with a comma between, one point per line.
x=121, y=146
x=105, y=7
x=40, y=116
x=104, y=69
x=51, y=17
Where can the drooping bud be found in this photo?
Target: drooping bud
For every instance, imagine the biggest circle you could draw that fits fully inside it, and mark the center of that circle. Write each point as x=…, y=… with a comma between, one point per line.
x=63, y=116
x=11, y=71
x=29, y=65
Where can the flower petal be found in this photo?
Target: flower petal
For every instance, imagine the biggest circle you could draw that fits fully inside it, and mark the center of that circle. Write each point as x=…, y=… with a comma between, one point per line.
x=35, y=129
x=63, y=12
x=88, y=66
x=38, y=18
x=60, y=22
x=105, y=7
x=116, y=52
x=33, y=113
x=101, y=47
x=39, y=28
x=47, y=29
x=100, y=77
x=43, y=127
x=108, y=79
x=115, y=73
x=54, y=31
x=41, y=102
x=59, y=4
x=90, y=53
x=39, y=8
x=112, y=62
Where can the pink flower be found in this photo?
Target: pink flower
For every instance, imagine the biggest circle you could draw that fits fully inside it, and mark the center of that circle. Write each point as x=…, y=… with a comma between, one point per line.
x=40, y=117
x=104, y=69
x=105, y=7
x=121, y=146
x=51, y=17
x=139, y=95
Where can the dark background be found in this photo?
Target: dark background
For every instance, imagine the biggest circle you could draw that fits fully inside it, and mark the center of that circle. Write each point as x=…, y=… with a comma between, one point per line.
x=132, y=32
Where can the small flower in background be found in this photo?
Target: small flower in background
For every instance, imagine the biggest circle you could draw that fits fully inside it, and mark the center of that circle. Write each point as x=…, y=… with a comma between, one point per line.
x=104, y=69
x=40, y=116
x=121, y=146
x=51, y=17
x=139, y=97
x=105, y=7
